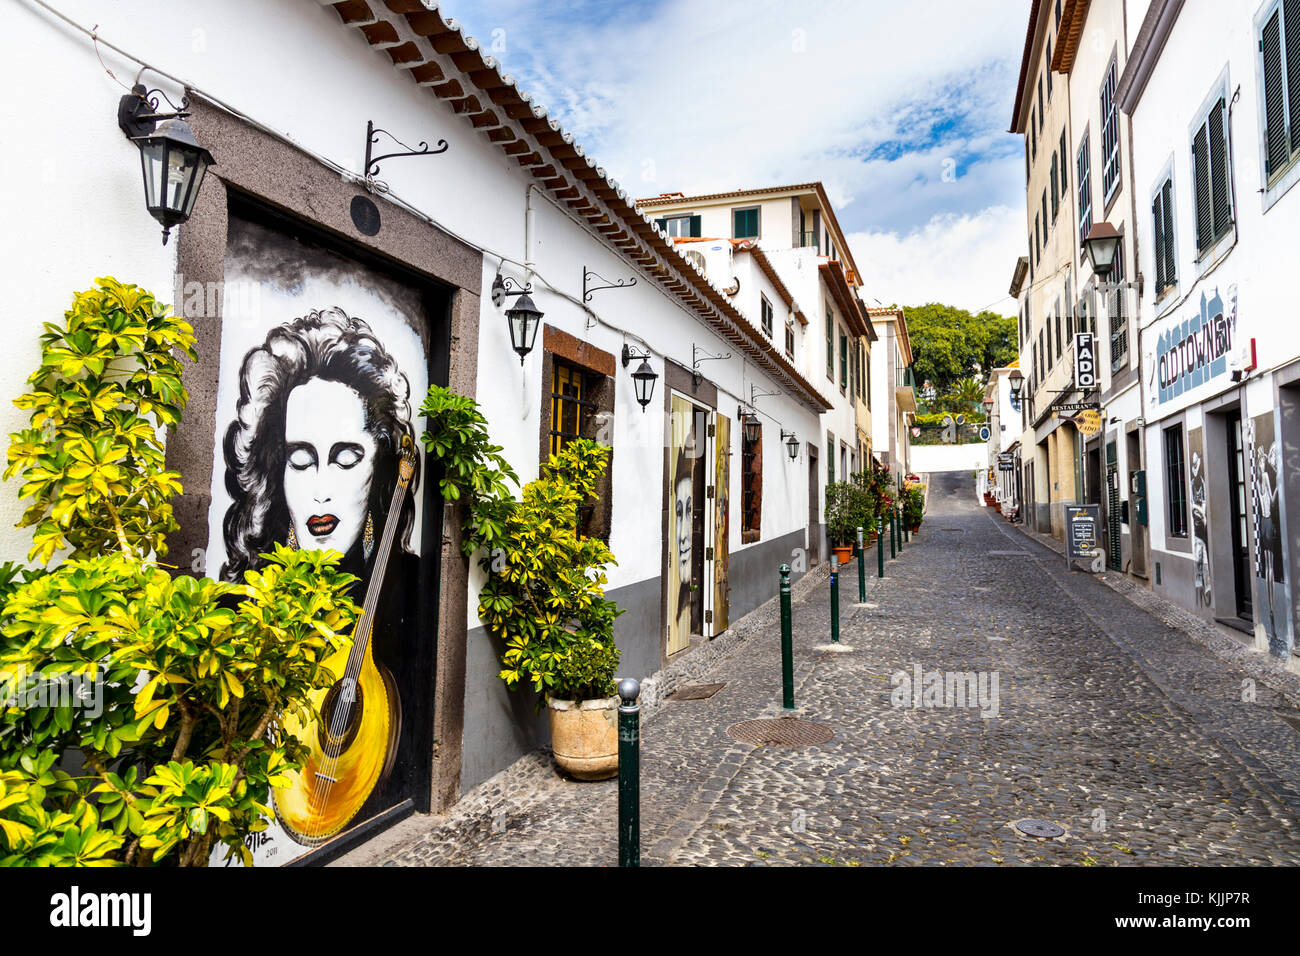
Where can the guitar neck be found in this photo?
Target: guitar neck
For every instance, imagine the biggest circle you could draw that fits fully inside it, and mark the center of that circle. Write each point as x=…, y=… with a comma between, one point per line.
x=361, y=633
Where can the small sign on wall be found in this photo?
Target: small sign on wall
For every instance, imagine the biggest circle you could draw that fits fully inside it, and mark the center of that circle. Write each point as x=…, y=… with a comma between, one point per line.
x=1085, y=361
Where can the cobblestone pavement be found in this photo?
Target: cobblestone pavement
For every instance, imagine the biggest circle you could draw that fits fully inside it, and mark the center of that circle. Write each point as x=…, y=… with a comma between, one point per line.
x=1131, y=736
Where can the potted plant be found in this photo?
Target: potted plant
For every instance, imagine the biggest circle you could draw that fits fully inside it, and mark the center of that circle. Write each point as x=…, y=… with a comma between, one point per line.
x=844, y=513
x=583, y=709
x=913, y=505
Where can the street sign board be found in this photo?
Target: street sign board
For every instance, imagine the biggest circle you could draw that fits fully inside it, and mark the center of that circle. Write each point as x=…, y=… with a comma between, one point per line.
x=1006, y=466
x=1088, y=422
x=1083, y=529
x=1085, y=361
x=1076, y=406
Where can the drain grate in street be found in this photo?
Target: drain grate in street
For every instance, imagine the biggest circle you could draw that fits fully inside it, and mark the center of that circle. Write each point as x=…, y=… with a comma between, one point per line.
x=1290, y=716
x=781, y=732
x=696, y=691
x=1043, y=829
x=958, y=530
x=1008, y=554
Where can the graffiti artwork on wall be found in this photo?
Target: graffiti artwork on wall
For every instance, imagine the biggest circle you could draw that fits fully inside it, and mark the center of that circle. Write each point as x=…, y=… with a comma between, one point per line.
x=314, y=405
x=683, y=460
x=1200, y=522
x=721, y=524
x=1270, y=591
x=1191, y=352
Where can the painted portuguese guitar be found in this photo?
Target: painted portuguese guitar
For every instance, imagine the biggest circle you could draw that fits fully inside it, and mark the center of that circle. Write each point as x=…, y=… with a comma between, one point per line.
x=351, y=748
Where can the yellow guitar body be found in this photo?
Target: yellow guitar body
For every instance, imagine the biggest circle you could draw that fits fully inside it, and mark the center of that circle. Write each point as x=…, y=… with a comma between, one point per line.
x=349, y=753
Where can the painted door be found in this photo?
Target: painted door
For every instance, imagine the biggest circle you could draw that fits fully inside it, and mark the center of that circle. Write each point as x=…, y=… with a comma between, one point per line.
x=721, y=502
x=1240, y=532
x=681, y=505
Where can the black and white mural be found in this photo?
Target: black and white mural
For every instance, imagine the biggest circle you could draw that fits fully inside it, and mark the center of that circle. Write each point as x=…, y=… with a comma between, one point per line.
x=322, y=366
x=1270, y=577
x=1200, y=517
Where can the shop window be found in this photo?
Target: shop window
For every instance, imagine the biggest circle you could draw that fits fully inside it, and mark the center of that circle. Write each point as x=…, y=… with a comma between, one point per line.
x=581, y=406
x=1176, y=481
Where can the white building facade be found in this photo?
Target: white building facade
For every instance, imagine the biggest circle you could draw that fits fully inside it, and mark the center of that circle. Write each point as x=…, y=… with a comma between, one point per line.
x=1211, y=92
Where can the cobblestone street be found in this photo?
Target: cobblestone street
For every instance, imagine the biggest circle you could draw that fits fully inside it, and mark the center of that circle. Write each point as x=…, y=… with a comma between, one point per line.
x=1127, y=733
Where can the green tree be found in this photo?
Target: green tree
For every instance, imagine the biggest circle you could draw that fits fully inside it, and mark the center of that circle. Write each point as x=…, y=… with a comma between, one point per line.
x=951, y=344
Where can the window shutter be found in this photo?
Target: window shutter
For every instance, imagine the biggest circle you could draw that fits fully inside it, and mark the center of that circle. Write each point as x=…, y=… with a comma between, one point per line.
x=1056, y=185
x=1291, y=29
x=1158, y=220
x=1275, y=140
x=1065, y=162
x=1167, y=250
x=695, y=226
x=662, y=224
x=1084, y=185
x=1220, y=172
x=1201, y=172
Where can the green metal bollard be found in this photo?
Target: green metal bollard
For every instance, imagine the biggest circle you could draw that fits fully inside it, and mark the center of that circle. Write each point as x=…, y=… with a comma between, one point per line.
x=862, y=569
x=835, y=599
x=898, y=521
x=893, y=536
x=902, y=516
x=880, y=546
x=629, y=773
x=787, y=642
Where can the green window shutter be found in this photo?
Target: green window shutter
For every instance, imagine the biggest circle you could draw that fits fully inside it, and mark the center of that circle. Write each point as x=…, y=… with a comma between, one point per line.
x=1167, y=251
x=1064, y=163
x=1276, y=149
x=1201, y=173
x=1219, y=165
x=1158, y=219
x=1291, y=30
x=662, y=224
x=844, y=361
x=695, y=226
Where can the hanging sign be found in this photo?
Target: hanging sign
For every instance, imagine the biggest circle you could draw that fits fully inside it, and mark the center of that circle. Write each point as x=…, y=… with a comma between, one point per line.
x=1085, y=361
x=1088, y=422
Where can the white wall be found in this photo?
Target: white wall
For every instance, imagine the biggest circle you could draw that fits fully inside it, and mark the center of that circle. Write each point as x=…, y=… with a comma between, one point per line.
x=931, y=458
x=265, y=59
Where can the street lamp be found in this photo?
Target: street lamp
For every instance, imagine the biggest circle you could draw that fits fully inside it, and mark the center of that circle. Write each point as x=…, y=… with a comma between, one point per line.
x=523, y=317
x=171, y=160
x=1017, y=381
x=1102, y=245
x=791, y=444
x=643, y=379
x=753, y=428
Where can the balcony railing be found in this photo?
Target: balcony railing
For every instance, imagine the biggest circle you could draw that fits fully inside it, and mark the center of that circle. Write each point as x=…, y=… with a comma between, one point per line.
x=808, y=240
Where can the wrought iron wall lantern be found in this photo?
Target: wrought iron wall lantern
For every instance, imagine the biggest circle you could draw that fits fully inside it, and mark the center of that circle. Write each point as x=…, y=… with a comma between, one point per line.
x=643, y=379
x=171, y=160
x=588, y=289
x=698, y=355
x=751, y=427
x=791, y=444
x=524, y=318
x=1017, y=382
x=372, y=139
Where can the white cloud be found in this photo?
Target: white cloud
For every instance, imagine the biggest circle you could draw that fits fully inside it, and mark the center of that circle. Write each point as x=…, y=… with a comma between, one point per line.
x=961, y=260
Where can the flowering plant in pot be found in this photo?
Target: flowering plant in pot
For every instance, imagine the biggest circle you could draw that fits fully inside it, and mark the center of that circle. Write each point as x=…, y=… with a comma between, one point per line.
x=583, y=707
x=913, y=504
x=845, y=512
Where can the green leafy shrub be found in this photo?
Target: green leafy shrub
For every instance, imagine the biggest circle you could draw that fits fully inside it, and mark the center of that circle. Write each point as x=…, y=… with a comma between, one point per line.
x=587, y=673
x=107, y=389
x=913, y=498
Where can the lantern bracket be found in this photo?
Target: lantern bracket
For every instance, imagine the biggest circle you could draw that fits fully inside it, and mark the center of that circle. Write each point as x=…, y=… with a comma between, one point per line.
x=372, y=137
x=631, y=352
x=137, y=111
x=755, y=394
x=588, y=289
x=503, y=287
x=698, y=355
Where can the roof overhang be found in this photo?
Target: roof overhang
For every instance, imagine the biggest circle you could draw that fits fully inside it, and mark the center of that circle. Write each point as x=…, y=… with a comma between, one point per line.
x=1017, y=124
x=432, y=51
x=1142, y=60
x=1018, y=277
x=832, y=274
x=1068, y=34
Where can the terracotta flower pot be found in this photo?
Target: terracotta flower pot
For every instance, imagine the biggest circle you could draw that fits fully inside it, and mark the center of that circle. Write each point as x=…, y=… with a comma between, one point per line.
x=584, y=737
x=844, y=555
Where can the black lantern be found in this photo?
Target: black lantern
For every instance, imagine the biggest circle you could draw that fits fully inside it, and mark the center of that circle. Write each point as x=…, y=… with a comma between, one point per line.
x=523, y=317
x=643, y=379
x=171, y=160
x=791, y=444
x=1017, y=382
x=1102, y=245
x=752, y=426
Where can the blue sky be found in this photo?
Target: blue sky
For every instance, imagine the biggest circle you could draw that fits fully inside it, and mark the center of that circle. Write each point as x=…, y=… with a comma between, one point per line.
x=899, y=108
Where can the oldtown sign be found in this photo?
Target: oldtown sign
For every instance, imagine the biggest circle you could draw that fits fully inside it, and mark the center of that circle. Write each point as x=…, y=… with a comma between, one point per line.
x=1194, y=351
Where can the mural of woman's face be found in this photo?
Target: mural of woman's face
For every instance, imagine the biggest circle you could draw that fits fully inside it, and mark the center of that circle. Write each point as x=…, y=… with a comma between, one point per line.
x=329, y=461
x=683, y=513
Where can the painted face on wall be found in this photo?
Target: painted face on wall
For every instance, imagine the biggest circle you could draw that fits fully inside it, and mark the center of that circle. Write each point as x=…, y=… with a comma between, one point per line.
x=683, y=512
x=329, y=461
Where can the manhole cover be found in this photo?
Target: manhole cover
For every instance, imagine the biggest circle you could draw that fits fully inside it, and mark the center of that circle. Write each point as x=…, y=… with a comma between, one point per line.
x=781, y=732
x=1042, y=829
x=696, y=692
